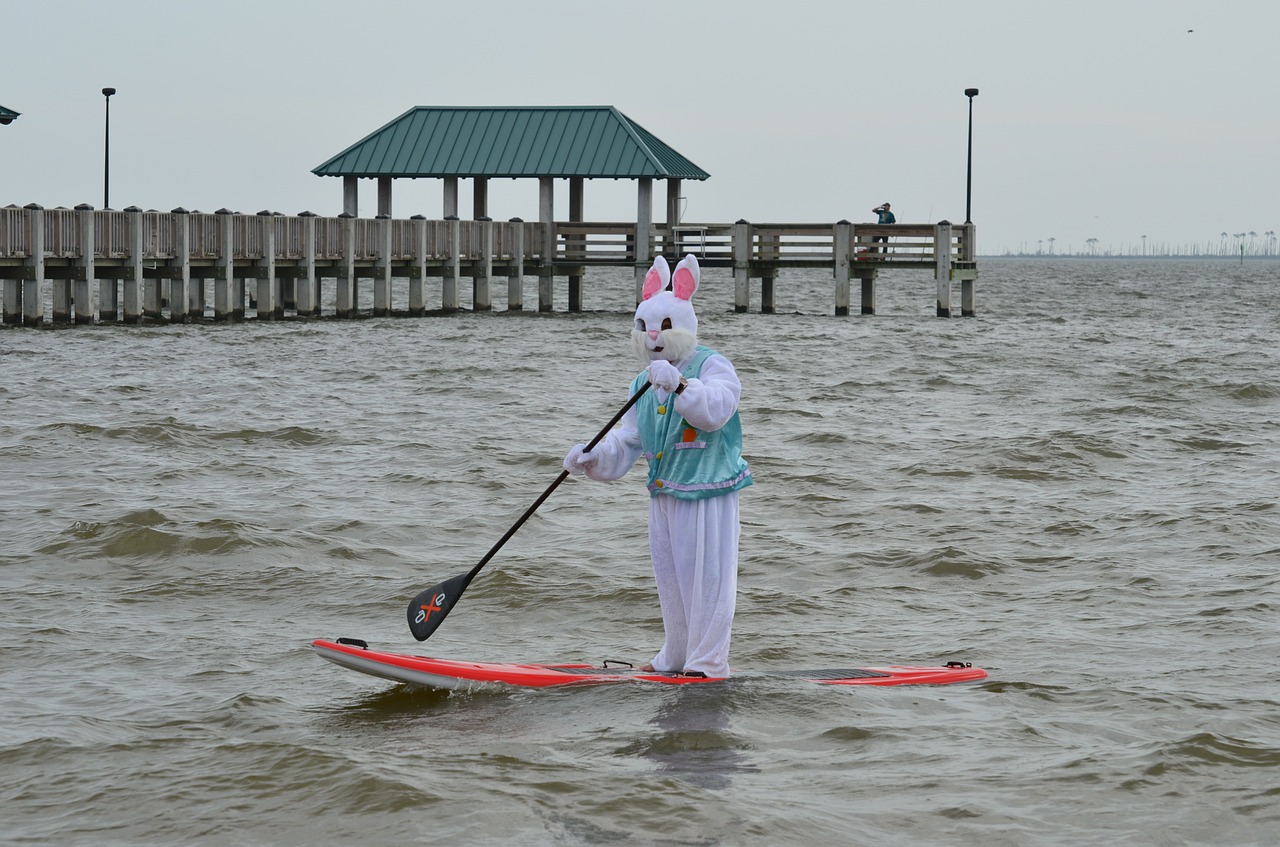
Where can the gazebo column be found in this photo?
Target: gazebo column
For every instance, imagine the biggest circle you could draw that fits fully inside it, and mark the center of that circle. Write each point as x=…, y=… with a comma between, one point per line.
x=644, y=230
x=480, y=198
x=575, y=246
x=384, y=195
x=546, y=217
x=350, y=196
x=450, y=197
x=673, y=219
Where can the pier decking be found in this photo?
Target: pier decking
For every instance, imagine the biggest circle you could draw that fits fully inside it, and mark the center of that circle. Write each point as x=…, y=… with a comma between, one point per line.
x=142, y=260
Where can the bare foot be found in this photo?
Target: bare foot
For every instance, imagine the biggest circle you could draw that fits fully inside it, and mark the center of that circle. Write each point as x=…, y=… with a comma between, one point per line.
x=647, y=668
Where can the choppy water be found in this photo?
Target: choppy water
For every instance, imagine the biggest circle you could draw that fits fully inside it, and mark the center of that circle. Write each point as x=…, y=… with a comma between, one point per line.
x=1076, y=490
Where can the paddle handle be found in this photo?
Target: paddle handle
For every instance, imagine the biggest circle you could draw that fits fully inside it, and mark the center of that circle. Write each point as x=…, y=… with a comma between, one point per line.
x=553, y=486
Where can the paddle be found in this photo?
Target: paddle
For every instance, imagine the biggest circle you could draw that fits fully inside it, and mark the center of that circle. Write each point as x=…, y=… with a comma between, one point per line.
x=428, y=610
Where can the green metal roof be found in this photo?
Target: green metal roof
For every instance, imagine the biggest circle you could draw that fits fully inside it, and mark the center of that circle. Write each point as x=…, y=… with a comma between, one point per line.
x=7, y=115
x=517, y=141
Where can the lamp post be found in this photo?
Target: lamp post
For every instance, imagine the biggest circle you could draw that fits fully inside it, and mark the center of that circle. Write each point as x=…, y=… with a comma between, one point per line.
x=968, y=184
x=106, y=150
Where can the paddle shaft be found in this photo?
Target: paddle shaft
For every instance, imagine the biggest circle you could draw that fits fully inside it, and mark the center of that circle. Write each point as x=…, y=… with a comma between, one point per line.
x=429, y=608
x=553, y=486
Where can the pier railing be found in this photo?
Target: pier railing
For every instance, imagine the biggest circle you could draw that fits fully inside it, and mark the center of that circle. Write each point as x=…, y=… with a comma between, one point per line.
x=66, y=246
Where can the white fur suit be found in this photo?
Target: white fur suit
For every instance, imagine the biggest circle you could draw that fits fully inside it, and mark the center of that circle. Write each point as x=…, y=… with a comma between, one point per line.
x=687, y=428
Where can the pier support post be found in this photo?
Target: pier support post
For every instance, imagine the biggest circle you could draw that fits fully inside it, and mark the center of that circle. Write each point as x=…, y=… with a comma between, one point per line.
x=968, y=252
x=11, y=301
x=108, y=286
x=270, y=307
x=840, y=255
x=60, y=299
x=346, y=271
x=768, y=304
x=515, y=277
x=196, y=298
x=134, y=283
x=60, y=286
x=868, y=279
x=771, y=251
x=151, y=297
x=546, y=289
x=151, y=288
x=942, y=266
x=180, y=278
x=11, y=306
x=83, y=298
x=33, y=276
x=225, y=268
x=108, y=299
x=224, y=284
x=481, y=283
x=968, y=306
x=741, y=266
x=453, y=269
x=418, y=272
x=382, y=265
x=306, y=287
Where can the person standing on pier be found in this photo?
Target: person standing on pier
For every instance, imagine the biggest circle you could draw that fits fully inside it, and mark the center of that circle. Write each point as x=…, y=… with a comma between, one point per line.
x=884, y=217
x=688, y=429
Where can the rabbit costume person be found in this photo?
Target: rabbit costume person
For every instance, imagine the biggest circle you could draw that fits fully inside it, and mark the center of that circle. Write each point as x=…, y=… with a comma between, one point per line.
x=687, y=428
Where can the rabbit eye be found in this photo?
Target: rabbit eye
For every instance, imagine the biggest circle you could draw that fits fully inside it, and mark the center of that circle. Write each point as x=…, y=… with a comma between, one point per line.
x=666, y=323
x=639, y=324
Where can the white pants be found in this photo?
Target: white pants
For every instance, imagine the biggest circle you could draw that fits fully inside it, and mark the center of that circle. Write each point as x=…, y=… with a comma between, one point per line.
x=694, y=545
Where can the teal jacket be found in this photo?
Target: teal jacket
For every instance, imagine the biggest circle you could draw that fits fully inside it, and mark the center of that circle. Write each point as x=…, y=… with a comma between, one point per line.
x=685, y=462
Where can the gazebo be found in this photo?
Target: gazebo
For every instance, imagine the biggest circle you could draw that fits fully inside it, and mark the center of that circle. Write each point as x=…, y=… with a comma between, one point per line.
x=7, y=115
x=515, y=142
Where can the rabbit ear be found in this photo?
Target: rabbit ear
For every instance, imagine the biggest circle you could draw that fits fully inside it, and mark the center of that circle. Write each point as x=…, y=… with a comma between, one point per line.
x=686, y=277
x=658, y=278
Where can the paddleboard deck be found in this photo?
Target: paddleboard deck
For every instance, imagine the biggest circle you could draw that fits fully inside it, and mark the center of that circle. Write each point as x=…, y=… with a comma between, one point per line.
x=430, y=672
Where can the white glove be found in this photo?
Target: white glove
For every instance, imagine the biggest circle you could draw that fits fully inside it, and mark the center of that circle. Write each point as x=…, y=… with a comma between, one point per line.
x=578, y=460
x=663, y=374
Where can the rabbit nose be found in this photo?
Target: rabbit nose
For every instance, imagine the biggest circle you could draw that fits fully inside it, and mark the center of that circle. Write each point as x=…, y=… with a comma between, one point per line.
x=653, y=334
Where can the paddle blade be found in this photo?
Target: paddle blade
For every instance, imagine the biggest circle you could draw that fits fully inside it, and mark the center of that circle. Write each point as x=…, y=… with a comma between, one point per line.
x=428, y=610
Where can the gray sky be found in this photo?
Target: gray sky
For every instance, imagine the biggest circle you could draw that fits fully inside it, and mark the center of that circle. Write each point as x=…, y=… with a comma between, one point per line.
x=1105, y=120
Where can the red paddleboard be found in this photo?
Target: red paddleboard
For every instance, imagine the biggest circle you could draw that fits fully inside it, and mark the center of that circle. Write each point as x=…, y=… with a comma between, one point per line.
x=429, y=672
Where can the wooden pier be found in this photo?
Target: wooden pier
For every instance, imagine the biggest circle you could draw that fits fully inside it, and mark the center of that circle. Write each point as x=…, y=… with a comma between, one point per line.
x=158, y=266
